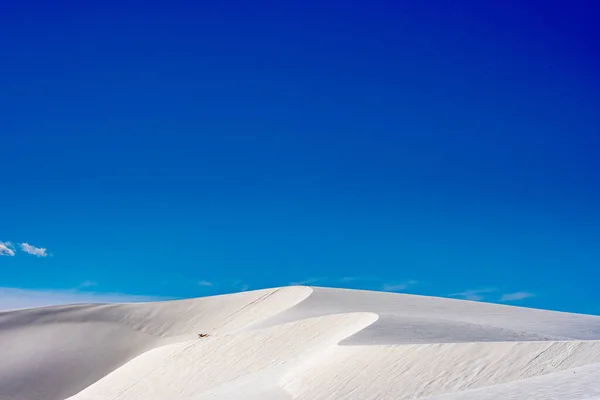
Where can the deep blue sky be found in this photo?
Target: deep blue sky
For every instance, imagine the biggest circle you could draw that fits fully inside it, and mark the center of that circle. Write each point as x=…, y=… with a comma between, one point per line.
x=152, y=146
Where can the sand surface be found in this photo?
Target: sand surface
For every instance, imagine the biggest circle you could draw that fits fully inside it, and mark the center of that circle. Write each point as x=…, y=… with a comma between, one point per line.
x=298, y=343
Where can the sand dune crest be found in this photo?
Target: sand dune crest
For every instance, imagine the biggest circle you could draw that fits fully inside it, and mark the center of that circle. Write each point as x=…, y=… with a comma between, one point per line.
x=298, y=343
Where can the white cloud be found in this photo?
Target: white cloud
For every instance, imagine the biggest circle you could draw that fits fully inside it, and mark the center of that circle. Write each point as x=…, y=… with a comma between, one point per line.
x=14, y=298
x=481, y=294
x=306, y=281
x=241, y=286
x=7, y=249
x=204, y=283
x=86, y=284
x=516, y=296
x=36, y=251
x=396, y=287
x=474, y=294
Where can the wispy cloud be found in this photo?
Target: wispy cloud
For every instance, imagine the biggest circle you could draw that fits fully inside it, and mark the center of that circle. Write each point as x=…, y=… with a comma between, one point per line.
x=397, y=287
x=491, y=294
x=86, y=284
x=241, y=286
x=7, y=249
x=362, y=281
x=307, y=281
x=15, y=298
x=204, y=283
x=516, y=296
x=474, y=294
x=36, y=251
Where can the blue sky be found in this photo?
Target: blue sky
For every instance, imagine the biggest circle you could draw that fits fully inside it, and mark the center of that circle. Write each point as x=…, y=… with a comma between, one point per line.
x=185, y=149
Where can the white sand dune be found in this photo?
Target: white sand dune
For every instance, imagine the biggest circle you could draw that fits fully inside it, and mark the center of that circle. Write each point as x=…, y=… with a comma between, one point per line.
x=298, y=343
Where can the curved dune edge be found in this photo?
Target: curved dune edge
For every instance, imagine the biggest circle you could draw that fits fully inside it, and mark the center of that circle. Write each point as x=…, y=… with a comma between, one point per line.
x=197, y=367
x=52, y=353
x=297, y=343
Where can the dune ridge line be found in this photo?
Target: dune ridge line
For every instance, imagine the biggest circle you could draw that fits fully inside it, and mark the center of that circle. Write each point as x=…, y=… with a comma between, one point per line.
x=298, y=342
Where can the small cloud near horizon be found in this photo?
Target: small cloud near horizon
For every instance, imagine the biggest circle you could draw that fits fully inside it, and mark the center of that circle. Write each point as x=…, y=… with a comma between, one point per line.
x=360, y=278
x=86, y=284
x=16, y=298
x=396, y=287
x=204, y=283
x=306, y=281
x=241, y=286
x=516, y=296
x=7, y=249
x=474, y=294
x=35, y=251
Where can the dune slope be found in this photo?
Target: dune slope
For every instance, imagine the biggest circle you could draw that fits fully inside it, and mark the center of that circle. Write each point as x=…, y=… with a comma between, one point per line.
x=298, y=343
x=54, y=352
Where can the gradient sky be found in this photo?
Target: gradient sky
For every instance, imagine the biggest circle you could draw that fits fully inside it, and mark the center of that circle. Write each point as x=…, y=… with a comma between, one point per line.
x=447, y=148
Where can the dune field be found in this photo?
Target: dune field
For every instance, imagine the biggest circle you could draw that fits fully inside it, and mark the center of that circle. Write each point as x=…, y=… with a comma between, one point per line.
x=298, y=342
